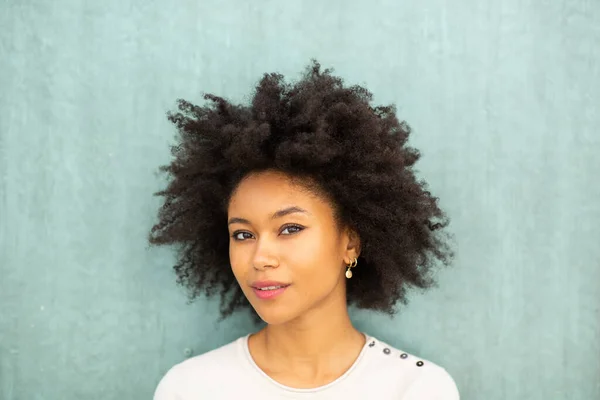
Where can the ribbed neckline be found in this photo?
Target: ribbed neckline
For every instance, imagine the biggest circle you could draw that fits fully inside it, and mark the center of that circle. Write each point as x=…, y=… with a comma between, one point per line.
x=243, y=341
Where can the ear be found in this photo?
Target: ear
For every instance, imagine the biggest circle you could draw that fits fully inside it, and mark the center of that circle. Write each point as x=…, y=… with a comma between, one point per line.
x=353, y=246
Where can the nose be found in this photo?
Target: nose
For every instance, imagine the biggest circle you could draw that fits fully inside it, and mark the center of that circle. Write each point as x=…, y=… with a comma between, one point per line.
x=266, y=255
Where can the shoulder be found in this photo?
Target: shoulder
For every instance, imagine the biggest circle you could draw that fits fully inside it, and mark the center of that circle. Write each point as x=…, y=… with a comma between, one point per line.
x=196, y=372
x=411, y=375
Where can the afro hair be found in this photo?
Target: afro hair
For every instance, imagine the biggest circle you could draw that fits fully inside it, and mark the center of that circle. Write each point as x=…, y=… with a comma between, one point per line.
x=321, y=132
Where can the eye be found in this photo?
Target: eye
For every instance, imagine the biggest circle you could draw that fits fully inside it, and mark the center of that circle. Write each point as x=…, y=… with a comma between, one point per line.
x=241, y=235
x=291, y=229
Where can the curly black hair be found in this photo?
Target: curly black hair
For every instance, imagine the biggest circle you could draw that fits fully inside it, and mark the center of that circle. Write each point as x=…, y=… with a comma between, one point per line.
x=323, y=133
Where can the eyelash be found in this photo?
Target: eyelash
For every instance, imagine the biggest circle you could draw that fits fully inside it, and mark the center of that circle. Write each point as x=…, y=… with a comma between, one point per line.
x=300, y=229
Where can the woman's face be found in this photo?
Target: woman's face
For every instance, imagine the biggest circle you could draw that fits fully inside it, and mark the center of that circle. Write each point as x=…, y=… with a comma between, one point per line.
x=285, y=238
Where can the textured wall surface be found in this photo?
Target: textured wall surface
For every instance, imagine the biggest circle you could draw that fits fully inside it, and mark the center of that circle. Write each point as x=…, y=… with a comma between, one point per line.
x=504, y=101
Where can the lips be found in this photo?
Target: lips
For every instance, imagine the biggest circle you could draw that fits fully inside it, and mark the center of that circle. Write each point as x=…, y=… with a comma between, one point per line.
x=268, y=289
x=265, y=294
x=268, y=284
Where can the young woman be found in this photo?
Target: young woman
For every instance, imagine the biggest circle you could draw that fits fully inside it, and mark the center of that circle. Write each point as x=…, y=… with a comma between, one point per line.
x=297, y=206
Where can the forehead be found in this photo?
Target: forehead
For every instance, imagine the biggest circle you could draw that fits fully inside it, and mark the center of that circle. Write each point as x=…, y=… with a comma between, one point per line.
x=269, y=191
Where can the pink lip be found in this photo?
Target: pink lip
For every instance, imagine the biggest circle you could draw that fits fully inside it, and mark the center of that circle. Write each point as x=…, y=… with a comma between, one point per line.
x=262, y=284
x=268, y=294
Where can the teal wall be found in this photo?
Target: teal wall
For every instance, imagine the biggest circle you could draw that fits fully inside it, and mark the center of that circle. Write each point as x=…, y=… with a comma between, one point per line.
x=504, y=100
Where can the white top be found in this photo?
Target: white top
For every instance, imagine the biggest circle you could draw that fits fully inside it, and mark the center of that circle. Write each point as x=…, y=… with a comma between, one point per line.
x=380, y=372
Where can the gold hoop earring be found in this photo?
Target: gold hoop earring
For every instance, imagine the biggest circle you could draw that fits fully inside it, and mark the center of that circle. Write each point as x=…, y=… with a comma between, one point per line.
x=351, y=265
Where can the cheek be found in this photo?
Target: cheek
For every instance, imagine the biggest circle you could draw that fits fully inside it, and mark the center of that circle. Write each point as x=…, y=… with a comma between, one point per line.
x=236, y=261
x=316, y=260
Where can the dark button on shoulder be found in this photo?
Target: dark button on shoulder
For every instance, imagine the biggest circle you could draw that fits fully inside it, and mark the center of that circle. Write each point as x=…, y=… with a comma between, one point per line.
x=372, y=344
x=387, y=351
x=419, y=363
x=403, y=355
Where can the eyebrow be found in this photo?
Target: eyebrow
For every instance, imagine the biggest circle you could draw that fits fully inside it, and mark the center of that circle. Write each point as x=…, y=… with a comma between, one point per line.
x=277, y=214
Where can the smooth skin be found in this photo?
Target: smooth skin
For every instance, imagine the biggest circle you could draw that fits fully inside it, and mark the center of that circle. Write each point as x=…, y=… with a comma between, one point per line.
x=281, y=231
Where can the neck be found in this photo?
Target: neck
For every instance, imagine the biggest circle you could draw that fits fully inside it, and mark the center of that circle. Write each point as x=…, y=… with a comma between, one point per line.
x=304, y=341
x=313, y=345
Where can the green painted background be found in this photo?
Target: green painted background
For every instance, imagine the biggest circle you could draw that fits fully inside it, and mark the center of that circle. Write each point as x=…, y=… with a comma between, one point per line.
x=504, y=100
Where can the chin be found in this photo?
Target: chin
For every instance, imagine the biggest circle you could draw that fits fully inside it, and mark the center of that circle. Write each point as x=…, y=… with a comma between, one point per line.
x=275, y=315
